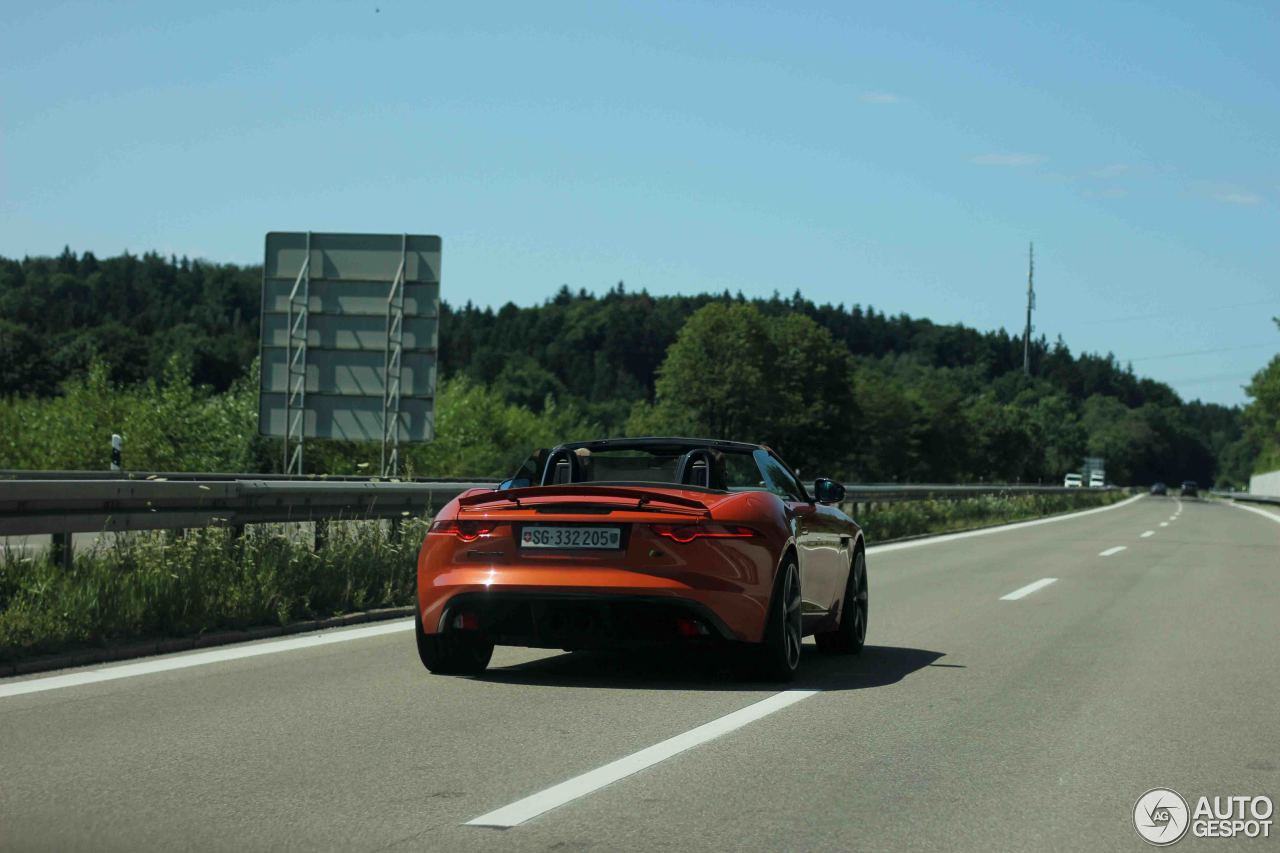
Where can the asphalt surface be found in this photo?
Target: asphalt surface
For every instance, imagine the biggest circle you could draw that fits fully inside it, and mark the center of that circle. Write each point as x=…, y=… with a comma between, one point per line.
x=969, y=723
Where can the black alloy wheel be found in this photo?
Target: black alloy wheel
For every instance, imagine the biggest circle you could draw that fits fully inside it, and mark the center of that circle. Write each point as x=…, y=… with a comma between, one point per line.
x=779, y=654
x=851, y=634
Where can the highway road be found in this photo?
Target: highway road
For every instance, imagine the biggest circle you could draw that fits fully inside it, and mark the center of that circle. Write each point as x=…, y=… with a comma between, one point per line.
x=1021, y=689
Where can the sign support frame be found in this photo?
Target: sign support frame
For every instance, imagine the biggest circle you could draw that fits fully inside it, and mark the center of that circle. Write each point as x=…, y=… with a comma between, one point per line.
x=391, y=367
x=295, y=401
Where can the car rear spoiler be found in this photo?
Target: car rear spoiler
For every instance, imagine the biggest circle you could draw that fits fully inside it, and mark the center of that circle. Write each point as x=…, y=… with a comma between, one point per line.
x=644, y=498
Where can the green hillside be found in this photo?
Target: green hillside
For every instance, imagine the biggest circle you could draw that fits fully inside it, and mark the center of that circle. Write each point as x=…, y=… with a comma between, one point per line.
x=841, y=390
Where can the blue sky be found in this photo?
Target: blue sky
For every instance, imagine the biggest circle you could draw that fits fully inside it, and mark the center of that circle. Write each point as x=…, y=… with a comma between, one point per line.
x=900, y=155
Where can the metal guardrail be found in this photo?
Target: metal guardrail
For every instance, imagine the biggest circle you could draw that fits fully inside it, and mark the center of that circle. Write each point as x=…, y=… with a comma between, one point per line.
x=81, y=506
x=12, y=474
x=1246, y=497
x=64, y=502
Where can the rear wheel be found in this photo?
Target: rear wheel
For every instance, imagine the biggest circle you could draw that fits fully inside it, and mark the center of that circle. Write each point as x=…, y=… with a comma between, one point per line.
x=850, y=635
x=452, y=653
x=778, y=658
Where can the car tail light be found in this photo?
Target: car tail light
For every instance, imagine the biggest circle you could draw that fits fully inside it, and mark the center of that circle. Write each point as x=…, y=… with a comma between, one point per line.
x=683, y=533
x=467, y=531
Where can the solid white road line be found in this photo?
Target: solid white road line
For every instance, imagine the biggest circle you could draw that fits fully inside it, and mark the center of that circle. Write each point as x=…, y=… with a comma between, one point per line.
x=988, y=531
x=1148, y=533
x=1028, y=589
x=1115, y=550
x=166, y=664
x=1258, y=510
x=579, y=786
x=171, y=662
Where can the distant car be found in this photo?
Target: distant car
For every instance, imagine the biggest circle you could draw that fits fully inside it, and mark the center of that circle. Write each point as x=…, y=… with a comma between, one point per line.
x=1073, y=481
x=1097, y=480
x=638, y=541
x=1159, y=489
x=1190, y=489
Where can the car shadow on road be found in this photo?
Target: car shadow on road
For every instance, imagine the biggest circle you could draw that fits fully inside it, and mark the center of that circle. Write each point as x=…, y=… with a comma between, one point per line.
x=877, y=666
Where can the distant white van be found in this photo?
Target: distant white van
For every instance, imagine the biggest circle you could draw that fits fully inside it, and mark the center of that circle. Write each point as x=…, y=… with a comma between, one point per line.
x=1097, y=480
x=1073, y=481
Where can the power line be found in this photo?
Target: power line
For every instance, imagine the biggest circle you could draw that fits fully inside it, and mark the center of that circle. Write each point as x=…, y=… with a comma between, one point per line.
x=1203, y=380
x=1198, y=309
x=1180, y=355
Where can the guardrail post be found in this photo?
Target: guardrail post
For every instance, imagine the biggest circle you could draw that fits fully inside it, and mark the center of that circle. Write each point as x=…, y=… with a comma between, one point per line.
x=321, y=540
x=60, y=550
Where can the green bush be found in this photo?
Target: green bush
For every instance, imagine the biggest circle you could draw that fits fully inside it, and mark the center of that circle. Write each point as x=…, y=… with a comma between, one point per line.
x=167, y=425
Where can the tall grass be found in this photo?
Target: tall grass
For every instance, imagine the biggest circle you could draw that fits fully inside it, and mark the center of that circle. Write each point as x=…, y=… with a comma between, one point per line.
x=157, y=584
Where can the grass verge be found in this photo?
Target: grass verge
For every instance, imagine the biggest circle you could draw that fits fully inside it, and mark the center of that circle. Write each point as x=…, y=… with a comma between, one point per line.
x=156, y=584
x=915, y=518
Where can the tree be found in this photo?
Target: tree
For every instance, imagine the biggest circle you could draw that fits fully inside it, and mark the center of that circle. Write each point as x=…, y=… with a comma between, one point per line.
x=715, y=379
x=1262, y=415
x=733, y=373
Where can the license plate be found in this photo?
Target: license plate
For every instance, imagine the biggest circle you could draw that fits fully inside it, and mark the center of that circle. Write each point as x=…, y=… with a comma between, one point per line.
x=581, y=538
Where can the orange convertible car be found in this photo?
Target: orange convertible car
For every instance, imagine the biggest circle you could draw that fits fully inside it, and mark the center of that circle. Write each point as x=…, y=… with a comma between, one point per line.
x=638, y=541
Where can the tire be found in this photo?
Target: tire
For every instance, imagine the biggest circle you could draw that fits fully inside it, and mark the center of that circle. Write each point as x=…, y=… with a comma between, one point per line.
x=452, y=653
x=778, y=657
x=851, y=634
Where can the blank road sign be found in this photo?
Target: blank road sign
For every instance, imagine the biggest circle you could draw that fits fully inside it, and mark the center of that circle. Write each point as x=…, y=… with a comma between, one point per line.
x=349, y=332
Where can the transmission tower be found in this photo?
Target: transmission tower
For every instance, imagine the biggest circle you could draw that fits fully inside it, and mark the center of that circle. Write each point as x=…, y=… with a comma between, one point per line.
x=1031, y=304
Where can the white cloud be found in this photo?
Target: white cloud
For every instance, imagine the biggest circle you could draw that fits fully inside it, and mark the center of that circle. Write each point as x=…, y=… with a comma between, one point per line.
x=878, y=98
x=1013, y=160
x=1237, y=197
x=1113, y=170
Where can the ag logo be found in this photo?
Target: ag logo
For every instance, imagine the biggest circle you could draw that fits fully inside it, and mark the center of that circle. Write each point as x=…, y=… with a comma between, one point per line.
x=1161, y=816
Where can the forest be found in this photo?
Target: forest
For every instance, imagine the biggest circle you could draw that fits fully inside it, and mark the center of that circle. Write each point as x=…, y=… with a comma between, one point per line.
x=164, y=351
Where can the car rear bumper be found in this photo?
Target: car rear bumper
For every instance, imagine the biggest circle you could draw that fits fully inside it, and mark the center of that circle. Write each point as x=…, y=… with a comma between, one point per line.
x=610, y=608
x=583, y=620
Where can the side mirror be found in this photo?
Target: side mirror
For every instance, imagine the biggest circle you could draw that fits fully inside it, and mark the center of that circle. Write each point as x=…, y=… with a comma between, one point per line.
x=514, y=483
x=827, y=491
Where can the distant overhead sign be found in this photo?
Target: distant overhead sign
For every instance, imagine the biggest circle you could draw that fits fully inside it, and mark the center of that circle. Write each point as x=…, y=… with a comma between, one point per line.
x=349, y=333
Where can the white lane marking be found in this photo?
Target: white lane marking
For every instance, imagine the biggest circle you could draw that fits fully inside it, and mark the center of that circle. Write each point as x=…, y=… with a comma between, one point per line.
x=183, y=661
x=1028, y=589
x=1115, y=550
x=593, y=780
x=988, y=531
x=1164, y=524
x=1147, y=533
x=167, y=663
x=1262, y=512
